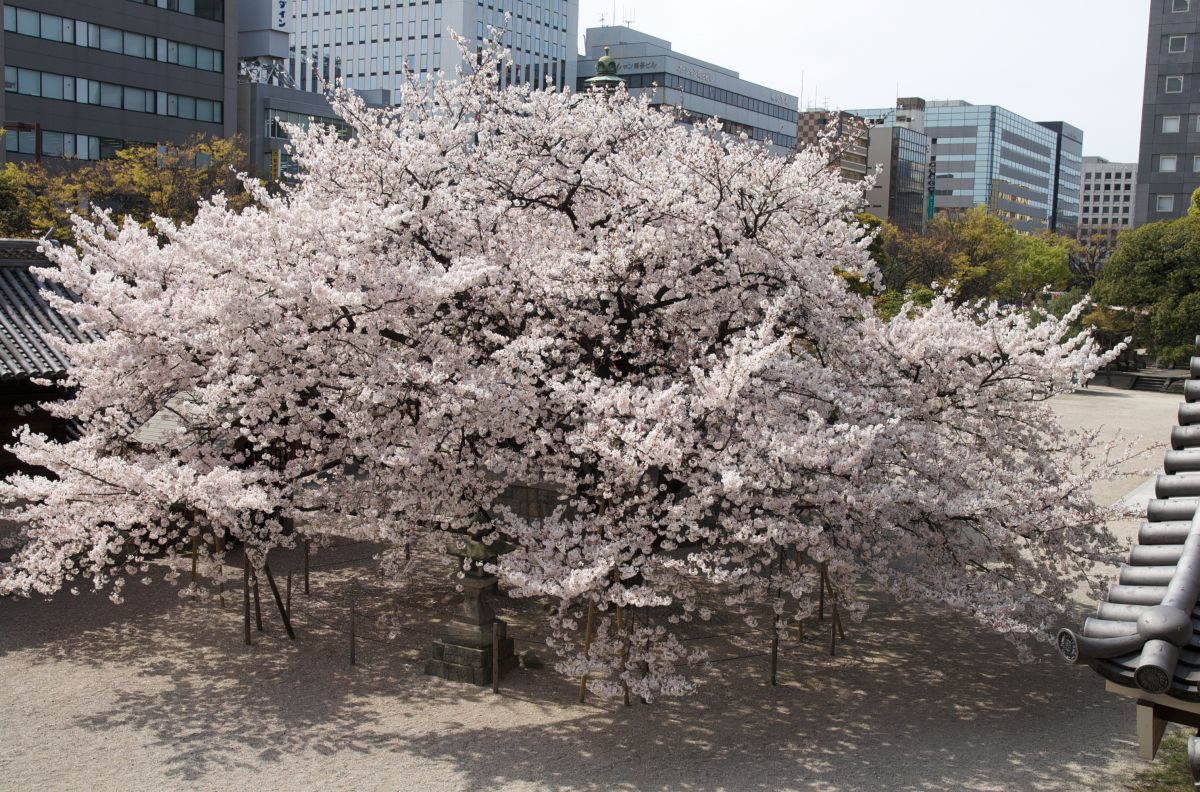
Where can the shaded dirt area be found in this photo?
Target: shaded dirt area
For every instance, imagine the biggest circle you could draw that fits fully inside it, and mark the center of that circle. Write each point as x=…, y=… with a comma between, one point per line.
x=160, y=693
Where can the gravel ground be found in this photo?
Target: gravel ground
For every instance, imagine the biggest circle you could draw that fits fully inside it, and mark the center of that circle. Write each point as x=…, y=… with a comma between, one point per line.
x=161, y=694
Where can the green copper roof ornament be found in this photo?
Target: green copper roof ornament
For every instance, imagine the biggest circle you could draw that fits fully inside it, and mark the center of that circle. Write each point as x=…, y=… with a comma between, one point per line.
x=606, y=73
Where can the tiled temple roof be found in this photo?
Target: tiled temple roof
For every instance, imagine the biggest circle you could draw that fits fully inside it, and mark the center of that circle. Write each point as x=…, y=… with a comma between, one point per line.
x=27, y=322
x=1146, y=631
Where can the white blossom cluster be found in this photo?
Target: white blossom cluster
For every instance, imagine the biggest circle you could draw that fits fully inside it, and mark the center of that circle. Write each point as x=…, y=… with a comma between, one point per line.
x=483, y=287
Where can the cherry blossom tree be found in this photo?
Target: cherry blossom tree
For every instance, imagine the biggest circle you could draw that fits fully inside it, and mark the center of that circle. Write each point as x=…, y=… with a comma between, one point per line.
x=658, y=322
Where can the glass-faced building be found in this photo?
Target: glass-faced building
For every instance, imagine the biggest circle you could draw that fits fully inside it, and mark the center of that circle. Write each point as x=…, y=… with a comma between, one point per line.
x=1024, y=172
x=888, y=144
x=1068, y=172
x=368, y=43
x=899, y=194
x=698, y=89
x=1169, y=154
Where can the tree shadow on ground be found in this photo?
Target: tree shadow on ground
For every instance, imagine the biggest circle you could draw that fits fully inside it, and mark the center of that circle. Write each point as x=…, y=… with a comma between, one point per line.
x=916, y=698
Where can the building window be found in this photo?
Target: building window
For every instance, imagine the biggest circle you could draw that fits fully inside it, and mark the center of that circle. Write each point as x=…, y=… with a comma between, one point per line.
x=1168, y=163
x=1176, y=44
x=1174, y=84
x=1180, y=6
x=1196, y=164
x=1164, y=203
x=1170, y=124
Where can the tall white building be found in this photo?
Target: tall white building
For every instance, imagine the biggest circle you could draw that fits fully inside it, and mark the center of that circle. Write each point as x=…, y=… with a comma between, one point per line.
x=1108, y=199
x=367, y=42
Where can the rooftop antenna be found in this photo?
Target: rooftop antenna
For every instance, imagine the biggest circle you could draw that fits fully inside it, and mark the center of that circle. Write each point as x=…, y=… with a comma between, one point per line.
x=630, y=17
x=603, y=19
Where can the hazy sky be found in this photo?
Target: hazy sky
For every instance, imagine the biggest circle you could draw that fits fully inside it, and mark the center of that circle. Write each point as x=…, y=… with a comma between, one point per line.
x=1079, y=61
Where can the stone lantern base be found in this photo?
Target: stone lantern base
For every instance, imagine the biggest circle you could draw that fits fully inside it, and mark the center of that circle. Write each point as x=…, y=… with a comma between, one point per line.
x=464, y=651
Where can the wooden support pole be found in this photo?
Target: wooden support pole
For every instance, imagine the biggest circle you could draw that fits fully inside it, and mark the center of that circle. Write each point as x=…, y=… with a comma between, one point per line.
x=587, y=647
x=257, y=605
x=195, y=557
x=287, y=601
x=821, y=598
x=774, y=652
x=283, y=613
x=305, y=566
x=832, y=639
x=246, y=596
x=353, y=629
x=1150, y=729
x=495, y=657
x=624, y=653
x=219, y=545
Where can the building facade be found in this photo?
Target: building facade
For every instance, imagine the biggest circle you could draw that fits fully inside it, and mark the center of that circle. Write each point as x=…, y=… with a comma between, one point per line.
x=1109, y=203
x=696, y=88
x=850, y=135
x=1169, y=154
x=369, y=43
x=888, y=146
x=1068, y=172
x=899, y=155
x=985, y=155
x=83, y=79
x=267, y=97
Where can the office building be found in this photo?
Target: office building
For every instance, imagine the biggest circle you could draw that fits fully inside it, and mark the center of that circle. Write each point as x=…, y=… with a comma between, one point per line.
x=849, y=135
x=1169, y=155
x=1108, y=204
x=695, y=88
x=899, y=156
x=368, y=43
x=83, y=79
x=985, y=155
x=888, y=144
x=1068, y=171
x=267, y=97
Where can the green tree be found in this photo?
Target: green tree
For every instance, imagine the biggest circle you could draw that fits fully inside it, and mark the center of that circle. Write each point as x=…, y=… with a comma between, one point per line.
x=992, y=260
x=16, y=204
x=139, y=182
x=985, y=256
x=1151, y=285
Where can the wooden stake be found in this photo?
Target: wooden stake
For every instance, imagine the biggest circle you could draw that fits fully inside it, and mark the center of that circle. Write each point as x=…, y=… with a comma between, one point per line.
x=774, y=651
x=195, y=557
x=257, y=604
x=283, y=614
x=219, y=544
x=353, y=625
x=587, y=647
x=288, y=599
x=821, y=600
x=832, y=639
x=305, y=566
x=624, y=653
x=246, y=596
x=495, y=657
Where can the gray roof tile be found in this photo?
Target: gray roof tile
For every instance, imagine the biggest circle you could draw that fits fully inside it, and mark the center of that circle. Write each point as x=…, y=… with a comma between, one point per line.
x=27, y=322
x=1146, y=632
